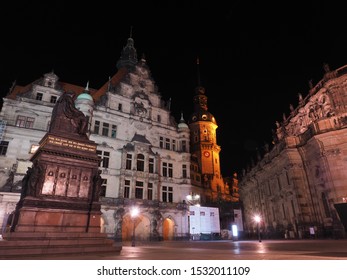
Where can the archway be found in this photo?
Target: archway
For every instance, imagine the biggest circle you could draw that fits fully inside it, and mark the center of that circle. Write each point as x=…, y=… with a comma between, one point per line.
x=168, y=229
x=142, y=228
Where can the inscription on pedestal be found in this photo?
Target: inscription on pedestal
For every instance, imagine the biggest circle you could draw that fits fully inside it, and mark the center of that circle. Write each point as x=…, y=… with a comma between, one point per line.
x=71, y=144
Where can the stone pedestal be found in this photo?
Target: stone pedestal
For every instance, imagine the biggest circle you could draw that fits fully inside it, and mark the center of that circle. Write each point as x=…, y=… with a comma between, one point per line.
x=61, y=194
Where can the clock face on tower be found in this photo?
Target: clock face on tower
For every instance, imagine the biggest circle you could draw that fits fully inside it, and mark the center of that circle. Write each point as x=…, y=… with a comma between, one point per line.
x=206, y=153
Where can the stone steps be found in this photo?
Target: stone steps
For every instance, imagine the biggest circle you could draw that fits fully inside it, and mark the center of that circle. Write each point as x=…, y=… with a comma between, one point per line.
x=26, y=244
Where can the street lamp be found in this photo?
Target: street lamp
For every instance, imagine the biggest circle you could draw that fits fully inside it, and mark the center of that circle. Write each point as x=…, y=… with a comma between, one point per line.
x=133, y=213
x=193, y=199
x=257, y=219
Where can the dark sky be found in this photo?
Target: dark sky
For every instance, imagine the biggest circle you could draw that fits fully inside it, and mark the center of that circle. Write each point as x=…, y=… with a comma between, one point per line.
x=255, y=56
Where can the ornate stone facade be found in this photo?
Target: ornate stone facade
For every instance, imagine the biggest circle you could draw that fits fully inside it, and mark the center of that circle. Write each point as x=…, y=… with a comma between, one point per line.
x=146, y=157
x=297, y=183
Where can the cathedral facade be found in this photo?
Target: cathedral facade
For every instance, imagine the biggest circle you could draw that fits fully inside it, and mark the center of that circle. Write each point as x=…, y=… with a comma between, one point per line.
x=147, y=160
x=299, y=186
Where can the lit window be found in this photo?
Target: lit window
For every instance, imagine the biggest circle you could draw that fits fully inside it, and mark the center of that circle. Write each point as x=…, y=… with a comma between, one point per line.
x=26, y=122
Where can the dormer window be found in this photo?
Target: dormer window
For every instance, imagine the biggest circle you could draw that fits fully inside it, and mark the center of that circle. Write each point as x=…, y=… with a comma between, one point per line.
x=53, y=99
x=39, y=96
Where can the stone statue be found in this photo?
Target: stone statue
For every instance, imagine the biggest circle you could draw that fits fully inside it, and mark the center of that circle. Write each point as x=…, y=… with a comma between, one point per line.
x=31, y=180
x=97, y=181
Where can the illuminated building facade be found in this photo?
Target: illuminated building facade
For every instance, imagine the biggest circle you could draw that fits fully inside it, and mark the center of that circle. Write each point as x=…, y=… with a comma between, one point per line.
x=299, y=186
x=146, y=156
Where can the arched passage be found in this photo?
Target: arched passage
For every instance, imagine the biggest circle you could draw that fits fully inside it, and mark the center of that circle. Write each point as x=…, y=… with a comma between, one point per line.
x=142, y=228
x=168, y=229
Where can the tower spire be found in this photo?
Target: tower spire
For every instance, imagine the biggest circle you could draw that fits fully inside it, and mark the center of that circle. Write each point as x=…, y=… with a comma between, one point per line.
x=198, y=71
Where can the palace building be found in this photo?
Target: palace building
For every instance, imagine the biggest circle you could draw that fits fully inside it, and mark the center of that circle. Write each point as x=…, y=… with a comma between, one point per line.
x=299, y=186
x=148, y=160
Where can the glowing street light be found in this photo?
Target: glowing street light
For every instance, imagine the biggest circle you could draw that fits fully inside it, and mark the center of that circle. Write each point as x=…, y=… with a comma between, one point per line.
x=134, y=213
x=257, y=219
x=193, y=199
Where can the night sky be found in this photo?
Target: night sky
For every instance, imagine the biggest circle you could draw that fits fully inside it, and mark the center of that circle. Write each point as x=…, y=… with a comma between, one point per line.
x=255, y=57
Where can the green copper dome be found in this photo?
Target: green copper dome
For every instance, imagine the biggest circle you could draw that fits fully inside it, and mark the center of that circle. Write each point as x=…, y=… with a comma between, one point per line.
x=86, y=96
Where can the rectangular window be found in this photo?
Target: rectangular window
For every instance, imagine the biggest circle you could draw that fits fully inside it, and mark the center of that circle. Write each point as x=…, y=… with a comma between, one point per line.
x=126, y=188
x=128, y=162
x=150, y=191
x=164, y=194
x=26, y=122
x=29, y=123
x=151, y=165
x=105, y=129
x=170, y=194
x=167, y=143
x=3, y=148
x=184, y=171
x=96, y=127
x=167, y=194
x=174, y=145
x=161, y=142
x=158, y=118
x=39, y=96
x=170, y=170
x=114, y=131
x=53, y=99
x=164, y=169
x=105, y=158
x=140, y=163
x=184, y=146
x=21, y=121
x=120, y=107
x=139, y=190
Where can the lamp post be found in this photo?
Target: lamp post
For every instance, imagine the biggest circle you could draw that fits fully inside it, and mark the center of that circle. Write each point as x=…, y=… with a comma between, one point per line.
x=133, y=213
x=192, y=200
x=257, y=219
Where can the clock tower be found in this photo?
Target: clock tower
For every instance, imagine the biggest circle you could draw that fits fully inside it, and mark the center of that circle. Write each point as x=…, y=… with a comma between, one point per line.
x=204, y=147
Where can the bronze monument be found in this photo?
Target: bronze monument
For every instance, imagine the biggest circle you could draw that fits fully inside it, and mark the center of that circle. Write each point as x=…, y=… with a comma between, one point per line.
x=60, y=192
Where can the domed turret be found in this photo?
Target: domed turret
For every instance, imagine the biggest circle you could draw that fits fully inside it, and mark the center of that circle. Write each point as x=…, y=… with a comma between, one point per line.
x=85, y=103
x=182, y=124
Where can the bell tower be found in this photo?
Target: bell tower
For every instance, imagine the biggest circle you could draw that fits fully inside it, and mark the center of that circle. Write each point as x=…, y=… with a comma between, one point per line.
x=204, y=147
